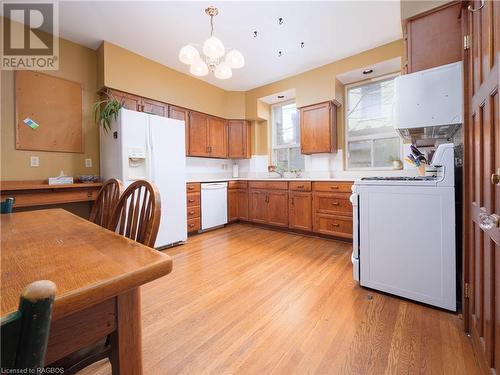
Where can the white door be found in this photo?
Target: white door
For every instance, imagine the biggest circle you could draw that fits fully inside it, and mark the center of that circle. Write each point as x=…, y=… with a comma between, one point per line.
x=168, y=171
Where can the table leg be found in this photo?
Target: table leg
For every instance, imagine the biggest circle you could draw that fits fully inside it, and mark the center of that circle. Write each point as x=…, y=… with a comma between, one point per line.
x=126, y=341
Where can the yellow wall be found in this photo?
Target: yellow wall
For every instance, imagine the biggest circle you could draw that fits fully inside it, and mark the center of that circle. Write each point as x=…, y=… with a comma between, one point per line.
x=118, y=68
x=317, y=85
x=76, y=63
x=127, y=71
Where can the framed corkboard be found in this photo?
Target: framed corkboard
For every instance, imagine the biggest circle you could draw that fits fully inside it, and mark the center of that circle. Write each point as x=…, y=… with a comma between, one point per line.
x=48, y=113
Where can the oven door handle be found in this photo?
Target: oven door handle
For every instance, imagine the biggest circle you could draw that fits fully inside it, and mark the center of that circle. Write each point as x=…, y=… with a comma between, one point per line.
x=354, y=198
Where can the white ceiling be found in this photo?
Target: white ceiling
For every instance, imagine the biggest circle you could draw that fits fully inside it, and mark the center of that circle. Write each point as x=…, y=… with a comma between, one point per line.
x=157, y=30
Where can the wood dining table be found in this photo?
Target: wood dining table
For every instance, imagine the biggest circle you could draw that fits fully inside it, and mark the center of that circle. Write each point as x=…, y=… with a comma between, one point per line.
x=97, y=272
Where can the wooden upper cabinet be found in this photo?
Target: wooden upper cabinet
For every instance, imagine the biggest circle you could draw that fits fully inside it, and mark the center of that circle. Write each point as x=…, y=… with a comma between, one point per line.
x=129, y=101
x=434, y=38
x=318, y=128
x=140, y=104
x=181, y=114
x=238, y=139
x=217, y=137
x=154, y=107
x=198, y=134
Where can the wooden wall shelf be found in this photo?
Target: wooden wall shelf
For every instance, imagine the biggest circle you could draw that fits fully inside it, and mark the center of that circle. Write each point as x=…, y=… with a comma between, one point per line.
x=40, y=193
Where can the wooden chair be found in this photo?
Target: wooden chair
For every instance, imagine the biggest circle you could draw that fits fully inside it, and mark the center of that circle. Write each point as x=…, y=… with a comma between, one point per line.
x=106, y=201
x=7, y=205
x=25, y=333
x=137, y=213
x=136, y=216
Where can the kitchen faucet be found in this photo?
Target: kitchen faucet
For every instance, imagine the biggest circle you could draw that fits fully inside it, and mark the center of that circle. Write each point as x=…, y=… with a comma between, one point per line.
x=276, y=169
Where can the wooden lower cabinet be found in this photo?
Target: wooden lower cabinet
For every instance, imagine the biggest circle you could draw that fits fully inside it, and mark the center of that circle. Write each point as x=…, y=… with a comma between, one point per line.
x=193, y=203
x=277, y=206
x=332, y=209
x=232, y=205
x=269, y=207
x=237, y=201
x=257, y=206
x=300, y=211
x=242, y=204
x=320, y=207
x=337, y=226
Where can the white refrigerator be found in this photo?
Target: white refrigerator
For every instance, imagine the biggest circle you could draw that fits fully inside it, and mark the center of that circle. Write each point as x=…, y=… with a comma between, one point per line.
x=144, y=146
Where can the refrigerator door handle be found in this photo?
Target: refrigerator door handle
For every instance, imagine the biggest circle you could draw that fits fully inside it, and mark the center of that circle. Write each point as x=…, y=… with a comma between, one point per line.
x=149, y=140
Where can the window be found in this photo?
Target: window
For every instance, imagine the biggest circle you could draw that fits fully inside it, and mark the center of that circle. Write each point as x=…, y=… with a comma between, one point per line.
x=286, y=137
x=371, y=140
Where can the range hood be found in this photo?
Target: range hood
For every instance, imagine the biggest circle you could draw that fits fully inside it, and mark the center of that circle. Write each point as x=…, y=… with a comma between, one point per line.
x=429, y=104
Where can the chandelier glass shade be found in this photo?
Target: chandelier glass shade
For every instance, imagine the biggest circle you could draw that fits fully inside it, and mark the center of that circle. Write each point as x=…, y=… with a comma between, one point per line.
x=214, y=57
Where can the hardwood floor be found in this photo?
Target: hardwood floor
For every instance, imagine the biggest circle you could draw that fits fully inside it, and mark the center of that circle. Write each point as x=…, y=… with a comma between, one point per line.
x=249, y=300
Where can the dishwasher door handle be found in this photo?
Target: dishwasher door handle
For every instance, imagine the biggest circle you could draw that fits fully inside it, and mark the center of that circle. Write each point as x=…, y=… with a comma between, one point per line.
x=213, y=186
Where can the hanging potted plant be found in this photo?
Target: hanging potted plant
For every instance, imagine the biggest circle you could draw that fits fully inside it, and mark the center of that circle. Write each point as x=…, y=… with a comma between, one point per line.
x=107, y=110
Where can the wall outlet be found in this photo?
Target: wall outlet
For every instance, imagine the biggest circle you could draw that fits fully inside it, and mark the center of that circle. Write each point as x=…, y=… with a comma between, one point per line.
x=88, y=163
x=34, y=161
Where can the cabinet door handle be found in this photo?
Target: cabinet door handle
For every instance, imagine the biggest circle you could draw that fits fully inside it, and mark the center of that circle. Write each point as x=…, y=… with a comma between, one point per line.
x=334, y=187
x=335, y=204
x=300, y=186
x=191, y=225
x=335, y=225
x=190, y=200
x=293, y=201
x=191, y=212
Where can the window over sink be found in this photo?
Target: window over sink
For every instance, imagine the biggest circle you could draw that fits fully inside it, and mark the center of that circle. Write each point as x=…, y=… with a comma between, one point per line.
x=371, y=141
x=285, y=136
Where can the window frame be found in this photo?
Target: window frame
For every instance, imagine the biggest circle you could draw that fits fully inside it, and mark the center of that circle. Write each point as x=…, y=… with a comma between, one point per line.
x=373, y=138
x=273, y=134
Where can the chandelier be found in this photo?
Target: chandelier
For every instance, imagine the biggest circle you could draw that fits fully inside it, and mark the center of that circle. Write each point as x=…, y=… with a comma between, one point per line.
x=214, y=56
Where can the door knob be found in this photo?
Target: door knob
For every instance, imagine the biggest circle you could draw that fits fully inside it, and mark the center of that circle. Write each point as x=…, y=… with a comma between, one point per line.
x=495, y=178
x=487, y=222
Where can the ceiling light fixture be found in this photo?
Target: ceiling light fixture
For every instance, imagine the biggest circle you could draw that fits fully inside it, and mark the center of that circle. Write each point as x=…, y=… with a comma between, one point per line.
x=214, y=57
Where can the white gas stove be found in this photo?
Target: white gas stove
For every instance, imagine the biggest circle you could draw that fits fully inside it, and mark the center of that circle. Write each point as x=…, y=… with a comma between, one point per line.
x=404, y=233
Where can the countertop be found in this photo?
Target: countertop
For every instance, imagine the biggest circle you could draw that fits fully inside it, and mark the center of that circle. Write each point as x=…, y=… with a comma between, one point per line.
x=208, y=179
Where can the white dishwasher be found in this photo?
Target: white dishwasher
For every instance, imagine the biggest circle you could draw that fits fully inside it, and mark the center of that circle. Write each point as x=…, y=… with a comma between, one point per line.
x=213, y=205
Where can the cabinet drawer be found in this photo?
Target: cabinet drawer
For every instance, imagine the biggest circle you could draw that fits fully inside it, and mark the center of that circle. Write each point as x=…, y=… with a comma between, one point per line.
x=193, y=199
x=193, y=187
x=300, y=186
x=272, y=185
x=338, y=204
x=193, y=225
x=343, y=187
x=193, y=212
x=333, y=225
x=238, y=184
